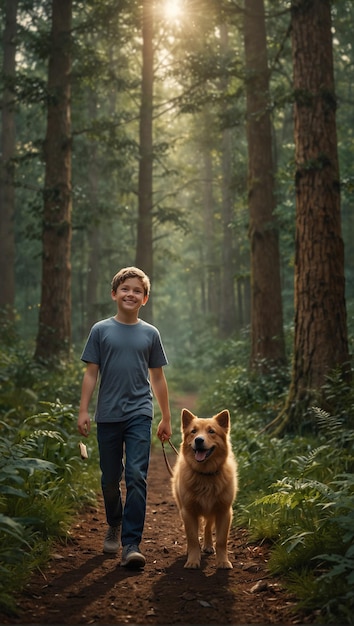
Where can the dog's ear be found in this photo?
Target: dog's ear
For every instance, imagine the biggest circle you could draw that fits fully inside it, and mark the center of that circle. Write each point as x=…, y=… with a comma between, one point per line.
x=223, y=419
x=186, y=418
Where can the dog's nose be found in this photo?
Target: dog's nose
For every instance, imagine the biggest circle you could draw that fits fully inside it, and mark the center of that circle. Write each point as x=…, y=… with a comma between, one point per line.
x=199, y=442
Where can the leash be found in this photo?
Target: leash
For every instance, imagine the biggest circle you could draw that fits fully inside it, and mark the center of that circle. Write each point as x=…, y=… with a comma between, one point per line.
x=169, y=468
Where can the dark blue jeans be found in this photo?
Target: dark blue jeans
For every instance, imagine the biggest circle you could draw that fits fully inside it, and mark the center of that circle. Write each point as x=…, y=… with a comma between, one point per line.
x=125, y=446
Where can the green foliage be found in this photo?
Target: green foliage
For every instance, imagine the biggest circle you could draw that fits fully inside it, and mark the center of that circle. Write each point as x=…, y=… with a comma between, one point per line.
x=308, y=515
x=15, y=545
x=43, y=479
x=250, y=395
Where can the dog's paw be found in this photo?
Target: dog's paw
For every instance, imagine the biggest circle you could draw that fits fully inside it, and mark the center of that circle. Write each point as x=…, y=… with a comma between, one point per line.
x=192, y=564
x=224, y=565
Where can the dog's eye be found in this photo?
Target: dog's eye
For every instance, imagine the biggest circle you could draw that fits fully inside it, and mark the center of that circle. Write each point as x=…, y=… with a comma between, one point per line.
x=211, y=431
x=193, y=431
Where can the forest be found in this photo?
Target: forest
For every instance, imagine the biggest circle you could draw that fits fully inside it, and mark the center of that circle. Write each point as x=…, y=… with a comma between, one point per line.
x=211, y=144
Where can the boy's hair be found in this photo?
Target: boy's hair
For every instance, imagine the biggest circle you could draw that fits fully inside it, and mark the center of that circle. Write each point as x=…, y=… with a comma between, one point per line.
x=131, y=272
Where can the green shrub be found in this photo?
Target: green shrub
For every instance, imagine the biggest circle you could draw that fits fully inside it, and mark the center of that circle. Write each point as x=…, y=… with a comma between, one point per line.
x=43, y=480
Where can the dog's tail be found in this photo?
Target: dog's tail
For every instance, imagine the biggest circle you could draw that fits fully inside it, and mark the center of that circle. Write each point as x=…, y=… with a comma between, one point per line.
x=169, y=468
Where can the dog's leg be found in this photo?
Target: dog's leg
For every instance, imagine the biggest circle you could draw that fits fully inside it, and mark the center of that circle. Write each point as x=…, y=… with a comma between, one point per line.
x=191, y=526
x=208, y=547
x=222, y=527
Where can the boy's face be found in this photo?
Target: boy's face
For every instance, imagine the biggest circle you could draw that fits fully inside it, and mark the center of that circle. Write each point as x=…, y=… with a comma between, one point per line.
x=130, y=296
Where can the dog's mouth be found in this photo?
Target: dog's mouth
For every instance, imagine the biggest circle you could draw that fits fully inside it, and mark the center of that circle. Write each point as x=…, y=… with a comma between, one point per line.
x=201, y=454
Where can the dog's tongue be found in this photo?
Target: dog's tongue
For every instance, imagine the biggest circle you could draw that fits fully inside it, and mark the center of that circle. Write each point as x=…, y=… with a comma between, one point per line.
x=200, y=455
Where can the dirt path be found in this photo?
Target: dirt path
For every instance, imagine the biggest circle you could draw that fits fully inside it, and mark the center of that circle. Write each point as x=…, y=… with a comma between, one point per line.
x=83, y=586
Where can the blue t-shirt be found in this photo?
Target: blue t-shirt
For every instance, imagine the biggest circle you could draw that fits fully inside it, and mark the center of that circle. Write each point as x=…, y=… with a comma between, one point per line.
x=124, y=353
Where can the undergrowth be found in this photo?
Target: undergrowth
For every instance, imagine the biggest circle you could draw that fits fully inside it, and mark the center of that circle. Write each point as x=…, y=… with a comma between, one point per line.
x=43, y=480
x=296, y=492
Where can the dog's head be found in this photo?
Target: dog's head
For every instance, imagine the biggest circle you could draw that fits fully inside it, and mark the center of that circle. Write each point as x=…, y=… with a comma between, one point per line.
x=205, y=440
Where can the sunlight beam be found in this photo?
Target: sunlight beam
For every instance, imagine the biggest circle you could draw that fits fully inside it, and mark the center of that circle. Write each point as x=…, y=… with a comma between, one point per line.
x=172, y=10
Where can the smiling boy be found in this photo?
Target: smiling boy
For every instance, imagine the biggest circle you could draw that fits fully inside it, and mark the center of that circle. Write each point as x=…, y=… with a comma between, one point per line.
x=127, y=354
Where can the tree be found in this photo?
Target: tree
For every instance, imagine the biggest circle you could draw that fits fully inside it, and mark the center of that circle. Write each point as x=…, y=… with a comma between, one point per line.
x=228, y=305
x=320, y=341
x=144, y=246
x=210, y=258
x=94, y=231
x=54, y=333
x=267, y=336
x=7, y=189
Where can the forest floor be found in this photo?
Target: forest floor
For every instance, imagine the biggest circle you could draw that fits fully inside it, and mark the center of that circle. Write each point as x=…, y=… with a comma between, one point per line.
x=81, y=585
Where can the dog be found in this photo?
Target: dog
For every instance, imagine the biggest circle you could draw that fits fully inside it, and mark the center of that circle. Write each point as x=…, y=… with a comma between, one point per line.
x=205, y=484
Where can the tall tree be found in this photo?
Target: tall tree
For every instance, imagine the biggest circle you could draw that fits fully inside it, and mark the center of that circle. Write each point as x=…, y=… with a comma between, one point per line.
x=211, y=259
x=54, y=333
x=320, y=341
x=267, y=336
x=7, y=190
x=144, y=249
x=227, y=318
x=94, y=231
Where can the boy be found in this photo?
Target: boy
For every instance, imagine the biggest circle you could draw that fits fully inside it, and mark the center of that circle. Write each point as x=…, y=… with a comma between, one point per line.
x=128, y=355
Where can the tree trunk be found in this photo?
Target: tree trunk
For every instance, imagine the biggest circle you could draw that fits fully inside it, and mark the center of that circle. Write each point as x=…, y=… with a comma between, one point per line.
x=94, y=246
x=212, y=268
x=320, y=341
x=144, y=250
x=94, y=228
x=54, y=334
x=7, y=190
x=268, y=346
x=227, y=323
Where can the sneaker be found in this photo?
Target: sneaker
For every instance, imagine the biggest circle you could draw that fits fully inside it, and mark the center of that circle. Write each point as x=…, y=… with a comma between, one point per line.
x=132, y=557
x=111, y=541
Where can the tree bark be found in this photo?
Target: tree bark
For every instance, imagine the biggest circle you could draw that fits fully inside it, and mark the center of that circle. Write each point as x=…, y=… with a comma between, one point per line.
x=94, y=228
x=227, y=317
x=320, y=341
x=144, y=249
x=267, y=335
x=211, y=264
x=54, y=333
x=7, y=190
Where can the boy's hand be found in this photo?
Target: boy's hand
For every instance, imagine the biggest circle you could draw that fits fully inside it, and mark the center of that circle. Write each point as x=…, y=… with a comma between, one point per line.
x=164, y=430
x=84, y=423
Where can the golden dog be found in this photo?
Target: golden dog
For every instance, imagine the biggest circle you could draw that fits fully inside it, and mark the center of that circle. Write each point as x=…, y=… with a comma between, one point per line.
x=204, y=484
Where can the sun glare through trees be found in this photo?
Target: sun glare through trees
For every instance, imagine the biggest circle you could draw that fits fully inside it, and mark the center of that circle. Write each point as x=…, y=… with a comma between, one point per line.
x=173, y=10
